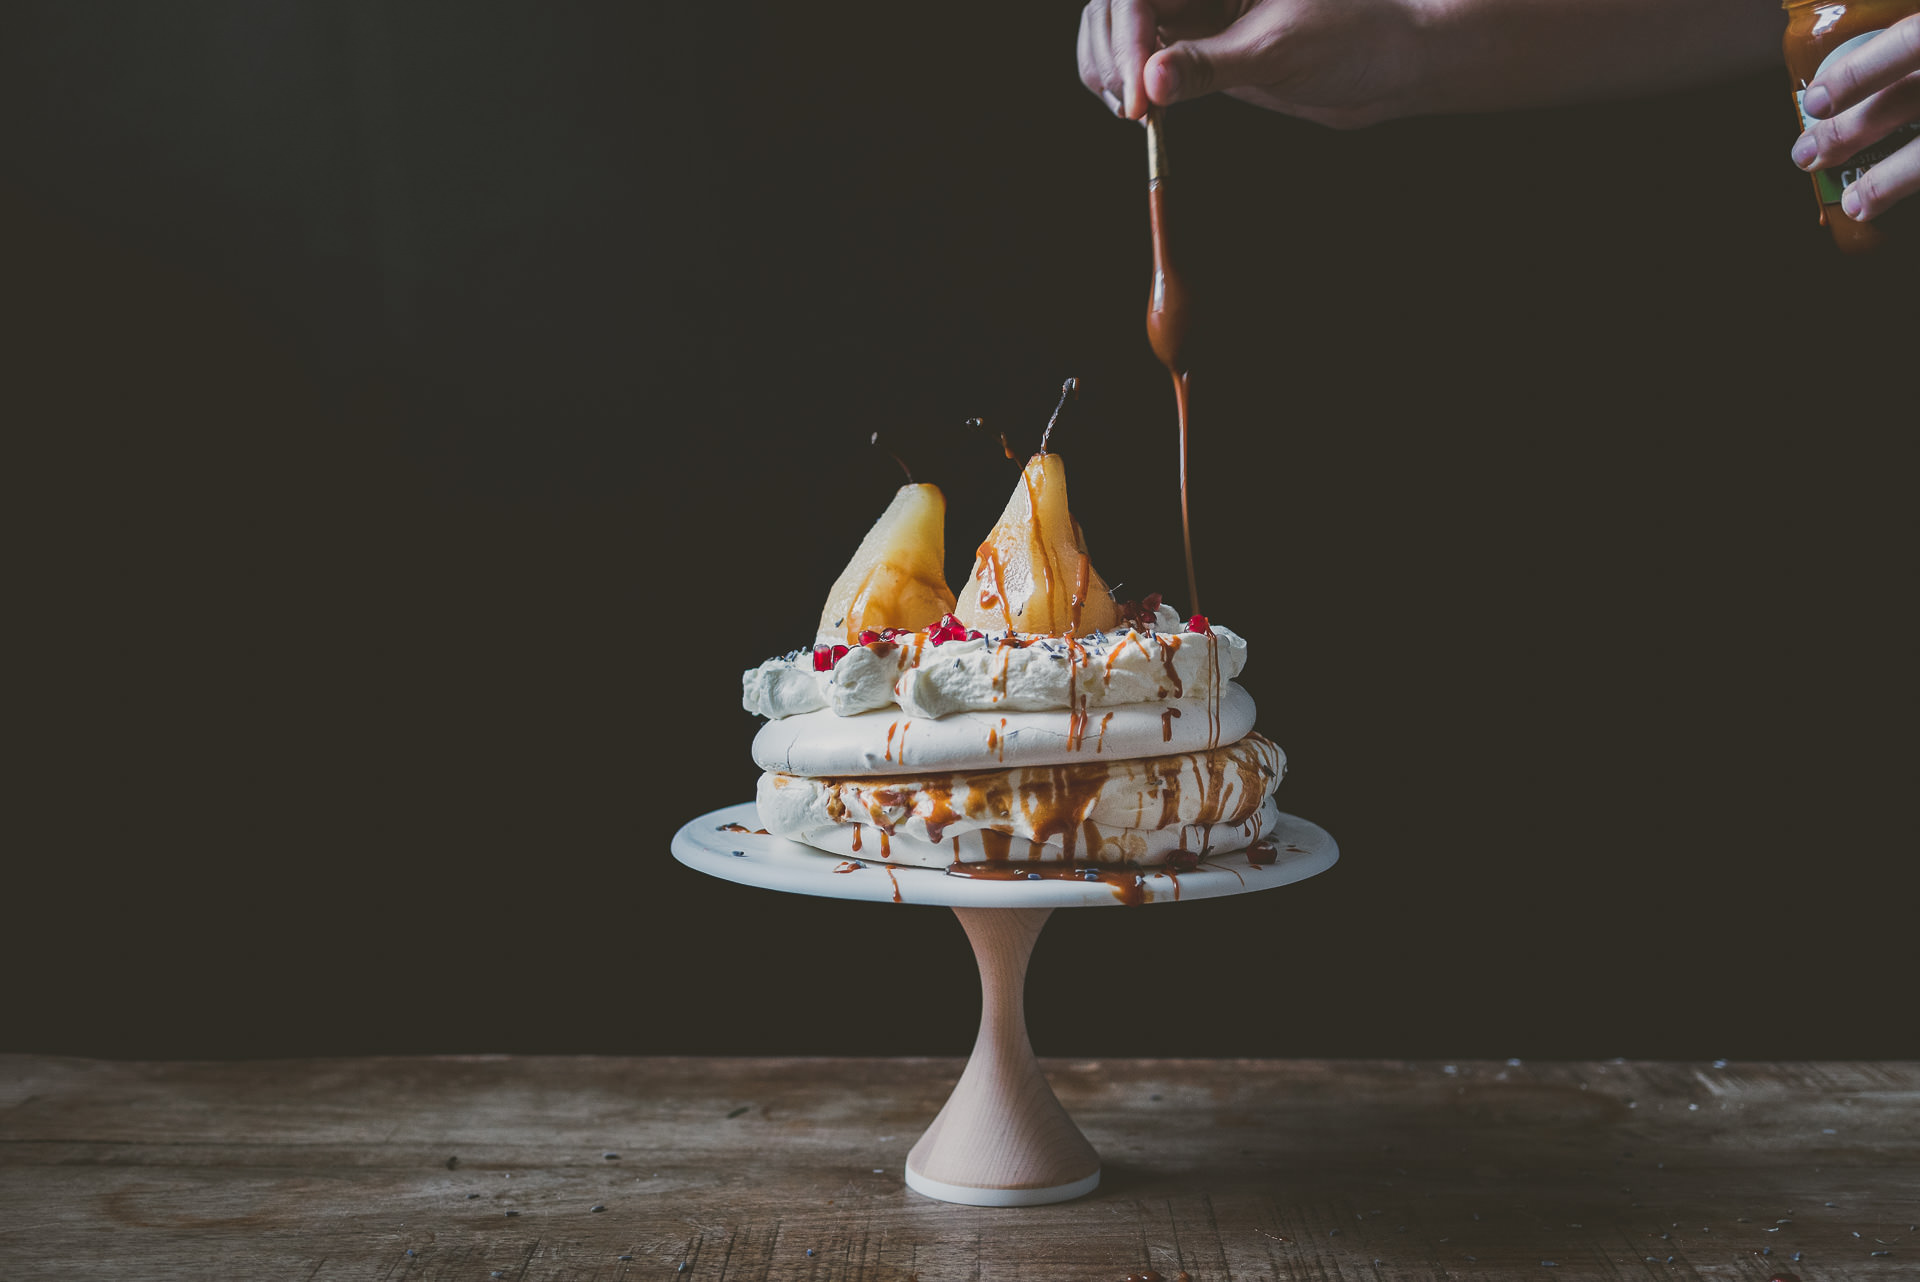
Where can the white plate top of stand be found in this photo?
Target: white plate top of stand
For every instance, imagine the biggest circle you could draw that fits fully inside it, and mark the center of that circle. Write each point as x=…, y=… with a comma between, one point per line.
x=775, y=863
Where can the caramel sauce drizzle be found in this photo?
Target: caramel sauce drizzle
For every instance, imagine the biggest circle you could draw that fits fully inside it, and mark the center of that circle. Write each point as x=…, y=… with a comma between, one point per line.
x=998, y=594
x=1169, y=645
x=1077, y=658
x=1081, y=571
x=1077, y=726
x=1213, y=693
x=940, y=815
x=1056, y=802
x=1186, y=526
x=998, y=682
x=1114, y=652
x=1036, y=542
x=1167, y=316
x=1129, y=884
x=998, y=845
x=1166, y=723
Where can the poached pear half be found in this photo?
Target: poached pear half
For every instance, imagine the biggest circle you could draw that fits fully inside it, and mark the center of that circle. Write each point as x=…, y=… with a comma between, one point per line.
x=898, y=575
x=1033, y=573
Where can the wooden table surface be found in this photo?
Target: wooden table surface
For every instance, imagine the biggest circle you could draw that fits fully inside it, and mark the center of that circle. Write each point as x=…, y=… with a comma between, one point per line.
x=703, y=1169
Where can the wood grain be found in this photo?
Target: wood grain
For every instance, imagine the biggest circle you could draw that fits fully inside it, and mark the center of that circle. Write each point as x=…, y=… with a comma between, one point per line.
x=329, y=1169
x=1003, y=1127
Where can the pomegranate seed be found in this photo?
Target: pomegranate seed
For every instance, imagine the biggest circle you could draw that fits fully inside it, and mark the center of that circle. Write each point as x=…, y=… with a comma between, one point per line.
x=973, y=636
x=839, y=653
x=868, y=636
x=1198, y=623
x=821, y=658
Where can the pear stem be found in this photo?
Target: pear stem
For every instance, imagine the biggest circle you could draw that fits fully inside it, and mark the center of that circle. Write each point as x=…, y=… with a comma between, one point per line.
x=1068, y=390
x=875, y=441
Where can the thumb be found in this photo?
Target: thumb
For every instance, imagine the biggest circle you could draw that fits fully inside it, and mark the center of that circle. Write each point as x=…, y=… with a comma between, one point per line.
x=1228, y=59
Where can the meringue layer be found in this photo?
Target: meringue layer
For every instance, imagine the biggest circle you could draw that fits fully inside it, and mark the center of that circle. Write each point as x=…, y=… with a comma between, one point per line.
x=892, y=742
x=1138, y=810
x=1127, y=847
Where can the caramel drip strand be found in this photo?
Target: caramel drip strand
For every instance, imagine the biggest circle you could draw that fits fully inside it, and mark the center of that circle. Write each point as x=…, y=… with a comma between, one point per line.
x=1186, y=525
x=997, y=595
x=1213, y=694
x=1040, y=550
x=1169, y=645
x=1058, y=805
x=940, y=814
x=998, y=682
x=1081, y=572
x=1167, y=316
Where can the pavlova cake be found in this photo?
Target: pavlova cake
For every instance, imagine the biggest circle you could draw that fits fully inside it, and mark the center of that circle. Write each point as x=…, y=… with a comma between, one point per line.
x=1031, y=726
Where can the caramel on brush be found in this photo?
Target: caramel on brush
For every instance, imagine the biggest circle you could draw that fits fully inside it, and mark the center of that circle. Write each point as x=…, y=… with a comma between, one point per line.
x=1167, y=318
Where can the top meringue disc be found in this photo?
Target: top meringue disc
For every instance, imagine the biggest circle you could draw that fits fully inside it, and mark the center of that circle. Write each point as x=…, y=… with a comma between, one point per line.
x=891, y=742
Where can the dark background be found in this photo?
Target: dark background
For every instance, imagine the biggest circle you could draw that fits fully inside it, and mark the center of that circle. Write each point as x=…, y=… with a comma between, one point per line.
x=419, y=416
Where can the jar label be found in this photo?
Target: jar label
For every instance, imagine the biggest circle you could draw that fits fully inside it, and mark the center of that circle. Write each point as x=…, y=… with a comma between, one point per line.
x=1830, y=183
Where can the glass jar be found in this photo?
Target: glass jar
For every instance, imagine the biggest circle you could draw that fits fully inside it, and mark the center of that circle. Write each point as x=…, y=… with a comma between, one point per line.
x=1816, y=31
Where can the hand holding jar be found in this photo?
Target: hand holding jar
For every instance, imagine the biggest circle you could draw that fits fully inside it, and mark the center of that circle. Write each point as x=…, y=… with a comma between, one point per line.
x=1861, y=109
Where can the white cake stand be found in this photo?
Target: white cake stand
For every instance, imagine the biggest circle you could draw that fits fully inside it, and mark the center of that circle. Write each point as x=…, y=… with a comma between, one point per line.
x=1002, y=1138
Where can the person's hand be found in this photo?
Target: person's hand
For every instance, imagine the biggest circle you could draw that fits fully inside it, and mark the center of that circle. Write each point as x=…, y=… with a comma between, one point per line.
x=1344, y=63
x=1348, y=63
x=1865, y=95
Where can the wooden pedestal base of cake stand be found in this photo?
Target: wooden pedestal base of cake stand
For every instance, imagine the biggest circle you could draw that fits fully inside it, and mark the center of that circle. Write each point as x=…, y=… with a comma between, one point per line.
x=1002, y=1138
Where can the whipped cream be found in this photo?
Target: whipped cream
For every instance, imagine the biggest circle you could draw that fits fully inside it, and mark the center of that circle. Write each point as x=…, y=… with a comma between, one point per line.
x=1003, y=671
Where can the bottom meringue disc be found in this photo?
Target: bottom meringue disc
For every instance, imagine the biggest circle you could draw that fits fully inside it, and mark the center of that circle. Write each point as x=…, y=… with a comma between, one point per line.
x=1140, y=810
x=1134, y=847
